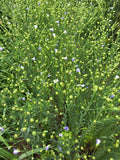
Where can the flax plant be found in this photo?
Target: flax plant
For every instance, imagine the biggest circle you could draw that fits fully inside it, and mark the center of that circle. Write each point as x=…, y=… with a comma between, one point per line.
x=60, y=80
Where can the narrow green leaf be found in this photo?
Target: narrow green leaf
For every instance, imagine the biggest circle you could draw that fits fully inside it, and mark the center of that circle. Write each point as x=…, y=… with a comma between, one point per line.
x=4, y=141
x=7, y=154
x=24, y=155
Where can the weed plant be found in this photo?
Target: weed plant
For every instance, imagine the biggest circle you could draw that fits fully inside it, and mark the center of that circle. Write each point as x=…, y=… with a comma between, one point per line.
x=59, y=76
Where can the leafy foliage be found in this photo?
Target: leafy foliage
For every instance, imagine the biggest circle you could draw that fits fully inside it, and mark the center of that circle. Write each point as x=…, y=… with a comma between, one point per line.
x=59, y=75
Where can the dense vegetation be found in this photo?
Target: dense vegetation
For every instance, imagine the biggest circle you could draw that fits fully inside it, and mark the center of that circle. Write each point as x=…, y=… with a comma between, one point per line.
x=60, y=80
